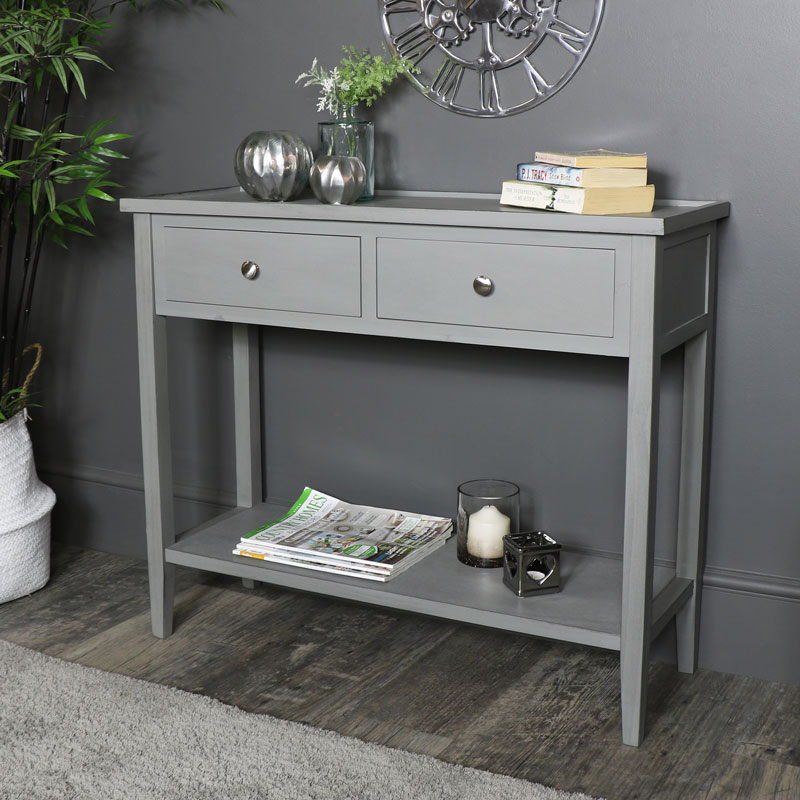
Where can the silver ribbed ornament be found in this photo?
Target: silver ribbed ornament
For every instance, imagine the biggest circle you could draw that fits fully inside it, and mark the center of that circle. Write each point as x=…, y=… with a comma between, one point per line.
x=339, y=180
x=273, y=165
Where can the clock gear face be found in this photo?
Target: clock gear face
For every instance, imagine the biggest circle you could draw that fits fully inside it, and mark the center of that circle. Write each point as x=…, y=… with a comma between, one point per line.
x=491, y=58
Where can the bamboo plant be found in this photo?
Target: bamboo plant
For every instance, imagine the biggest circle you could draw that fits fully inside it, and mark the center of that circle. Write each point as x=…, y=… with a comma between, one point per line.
x=50, y=173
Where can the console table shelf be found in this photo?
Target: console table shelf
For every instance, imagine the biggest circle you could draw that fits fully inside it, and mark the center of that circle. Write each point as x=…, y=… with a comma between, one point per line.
x=586, y=611
x=630, y=286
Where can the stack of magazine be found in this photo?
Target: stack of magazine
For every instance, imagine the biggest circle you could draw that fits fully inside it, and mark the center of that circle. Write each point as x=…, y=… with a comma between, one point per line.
x=324, y=533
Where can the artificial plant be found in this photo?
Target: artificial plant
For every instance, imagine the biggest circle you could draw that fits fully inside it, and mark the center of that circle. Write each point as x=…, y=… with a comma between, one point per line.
x=50, y=173
x=359, y=77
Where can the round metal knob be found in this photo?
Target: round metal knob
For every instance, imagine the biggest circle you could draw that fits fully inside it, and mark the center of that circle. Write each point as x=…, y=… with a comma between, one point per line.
x=250, y=270
x=483, y=285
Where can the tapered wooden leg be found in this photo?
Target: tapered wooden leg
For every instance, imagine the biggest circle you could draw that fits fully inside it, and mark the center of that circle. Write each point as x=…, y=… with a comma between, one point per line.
x=156, y=446
x=644, y=369
x=693, y=492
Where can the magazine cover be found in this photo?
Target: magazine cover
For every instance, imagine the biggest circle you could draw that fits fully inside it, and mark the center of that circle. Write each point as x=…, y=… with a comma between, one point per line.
x=331, y=531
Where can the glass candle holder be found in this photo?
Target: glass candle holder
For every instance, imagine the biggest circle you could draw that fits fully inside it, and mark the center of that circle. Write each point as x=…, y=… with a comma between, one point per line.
x=488, y=510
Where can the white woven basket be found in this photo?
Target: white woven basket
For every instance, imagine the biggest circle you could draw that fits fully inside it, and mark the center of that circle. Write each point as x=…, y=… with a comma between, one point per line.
x=25, y=506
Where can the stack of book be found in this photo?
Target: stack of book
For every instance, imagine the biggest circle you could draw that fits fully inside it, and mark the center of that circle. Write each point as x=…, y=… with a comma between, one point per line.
x=587, y=182
x=323, y=533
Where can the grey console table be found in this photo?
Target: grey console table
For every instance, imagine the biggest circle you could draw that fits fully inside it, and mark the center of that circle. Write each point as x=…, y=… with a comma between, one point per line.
x=633, y=286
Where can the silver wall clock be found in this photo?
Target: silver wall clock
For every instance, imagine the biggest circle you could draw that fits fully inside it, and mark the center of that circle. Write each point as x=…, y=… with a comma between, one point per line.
x=491, y=58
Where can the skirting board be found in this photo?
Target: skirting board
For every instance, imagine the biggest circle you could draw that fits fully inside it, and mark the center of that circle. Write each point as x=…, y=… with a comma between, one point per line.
x=750, y=620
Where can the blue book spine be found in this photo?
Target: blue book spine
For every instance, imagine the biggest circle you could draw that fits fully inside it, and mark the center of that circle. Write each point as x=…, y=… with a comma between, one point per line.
x=547, y=173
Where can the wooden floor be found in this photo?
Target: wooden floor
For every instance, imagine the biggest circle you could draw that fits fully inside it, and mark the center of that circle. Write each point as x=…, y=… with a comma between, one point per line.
x=544, y=711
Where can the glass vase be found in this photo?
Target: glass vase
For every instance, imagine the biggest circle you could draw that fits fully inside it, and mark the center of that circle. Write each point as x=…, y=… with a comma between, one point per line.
x=346, y=135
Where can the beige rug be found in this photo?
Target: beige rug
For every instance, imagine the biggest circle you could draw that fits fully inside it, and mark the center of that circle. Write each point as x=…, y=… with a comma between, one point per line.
x=69, y=732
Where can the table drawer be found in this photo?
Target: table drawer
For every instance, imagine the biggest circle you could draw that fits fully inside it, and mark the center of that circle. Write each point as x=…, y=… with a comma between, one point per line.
x=312, y=273
x=553, y=289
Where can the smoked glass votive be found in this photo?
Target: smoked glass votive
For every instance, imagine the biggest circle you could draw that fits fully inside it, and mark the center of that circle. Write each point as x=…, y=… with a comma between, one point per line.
x=488, y=510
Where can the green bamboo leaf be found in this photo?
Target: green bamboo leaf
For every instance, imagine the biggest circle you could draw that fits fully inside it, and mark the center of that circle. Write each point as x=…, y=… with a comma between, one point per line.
x=92, y=132
x=77, y=171
x=77, y=74
x=99, y=194
x=58, y=68
x=106, y=152
x=24, y=134
x=85, y=55
x=111, y=137
x=50, y=191
x=70, y=226
x=36, y=189
x=10, y=58
x=26, y=44
x=83, y=209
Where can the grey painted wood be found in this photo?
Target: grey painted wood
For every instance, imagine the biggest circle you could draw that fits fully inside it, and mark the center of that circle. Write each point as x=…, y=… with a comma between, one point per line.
x=419, y=208
x=684, y=295
x=587, y=611
x=551, y=289
x=694, y=471
x=644, y=367
x=247, y=414
x=667, y=602
x=156, y=446
x=521, y=244
x=296, y=272
x=602, y=292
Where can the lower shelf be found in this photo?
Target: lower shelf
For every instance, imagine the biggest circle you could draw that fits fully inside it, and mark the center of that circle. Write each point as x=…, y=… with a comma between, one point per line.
x=587, y=610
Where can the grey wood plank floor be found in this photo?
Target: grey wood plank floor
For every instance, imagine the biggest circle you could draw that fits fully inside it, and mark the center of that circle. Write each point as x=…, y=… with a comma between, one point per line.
x=544, y=711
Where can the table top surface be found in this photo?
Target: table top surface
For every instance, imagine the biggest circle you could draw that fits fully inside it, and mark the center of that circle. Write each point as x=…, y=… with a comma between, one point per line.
x=439, y=208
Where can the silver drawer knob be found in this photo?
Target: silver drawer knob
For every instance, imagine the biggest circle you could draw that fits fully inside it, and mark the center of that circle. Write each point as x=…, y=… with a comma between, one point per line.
x=483, y=285
x=250, y=270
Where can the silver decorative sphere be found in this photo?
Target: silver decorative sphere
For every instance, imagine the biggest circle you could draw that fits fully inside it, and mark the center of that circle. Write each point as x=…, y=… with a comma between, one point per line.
x=273, y=165
x=339, y=180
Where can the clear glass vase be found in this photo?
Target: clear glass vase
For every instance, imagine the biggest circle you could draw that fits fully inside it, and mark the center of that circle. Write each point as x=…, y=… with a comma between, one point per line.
x=346, y=135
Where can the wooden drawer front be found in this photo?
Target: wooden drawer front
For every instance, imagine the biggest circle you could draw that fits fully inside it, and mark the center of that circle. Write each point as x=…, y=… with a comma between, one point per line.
x=318, y=274
x=545, y=288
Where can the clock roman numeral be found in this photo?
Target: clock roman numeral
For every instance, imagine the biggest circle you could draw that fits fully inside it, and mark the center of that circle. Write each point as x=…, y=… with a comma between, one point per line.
x=448, y=79
x=490, y=93
x=539, y=84
x=568, y=36
x=400, y=6
x=413, y=43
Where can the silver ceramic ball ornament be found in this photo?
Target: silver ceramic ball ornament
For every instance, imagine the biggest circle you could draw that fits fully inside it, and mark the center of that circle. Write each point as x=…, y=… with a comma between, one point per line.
x=273, y=165
x=338, y=180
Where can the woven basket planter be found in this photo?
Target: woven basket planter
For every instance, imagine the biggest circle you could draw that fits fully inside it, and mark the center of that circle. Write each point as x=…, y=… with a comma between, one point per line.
x=25, y=506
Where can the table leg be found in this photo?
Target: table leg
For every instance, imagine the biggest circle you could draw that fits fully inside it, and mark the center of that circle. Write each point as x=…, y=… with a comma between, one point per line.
x=247, y=414
x=692, y=507
x=644, y=371
x=156, y=446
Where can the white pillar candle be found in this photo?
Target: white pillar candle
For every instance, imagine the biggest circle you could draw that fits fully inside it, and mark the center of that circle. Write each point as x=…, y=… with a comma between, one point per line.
x=485, y=531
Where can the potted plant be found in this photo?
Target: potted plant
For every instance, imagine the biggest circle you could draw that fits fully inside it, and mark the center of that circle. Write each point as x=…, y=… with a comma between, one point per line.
x=50, y=174
x=359, y=79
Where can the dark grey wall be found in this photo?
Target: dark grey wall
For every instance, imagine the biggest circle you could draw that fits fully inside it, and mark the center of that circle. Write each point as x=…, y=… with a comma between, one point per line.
x=709, y=94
